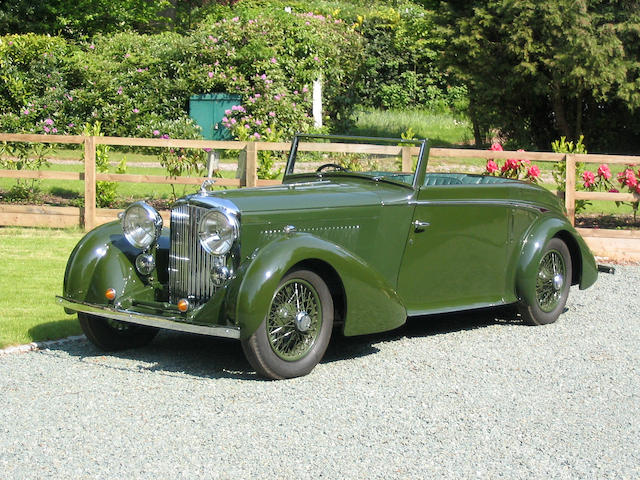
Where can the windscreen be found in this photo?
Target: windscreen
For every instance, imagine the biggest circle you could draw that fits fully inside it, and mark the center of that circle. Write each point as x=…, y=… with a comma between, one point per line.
x=390, y=160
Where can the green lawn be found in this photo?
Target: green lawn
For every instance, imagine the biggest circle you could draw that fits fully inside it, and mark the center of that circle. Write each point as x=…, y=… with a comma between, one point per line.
x=442, y=129
x=31, y=273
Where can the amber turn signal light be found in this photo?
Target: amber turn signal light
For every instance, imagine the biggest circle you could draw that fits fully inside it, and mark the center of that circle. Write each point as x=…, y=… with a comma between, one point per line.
x=183, y=305
x=110, y=294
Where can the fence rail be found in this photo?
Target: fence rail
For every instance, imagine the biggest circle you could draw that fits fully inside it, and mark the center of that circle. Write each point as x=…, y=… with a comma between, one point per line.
x=90, y=216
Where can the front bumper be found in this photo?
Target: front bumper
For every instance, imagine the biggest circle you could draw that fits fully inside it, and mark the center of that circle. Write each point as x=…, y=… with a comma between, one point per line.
x=170, y=323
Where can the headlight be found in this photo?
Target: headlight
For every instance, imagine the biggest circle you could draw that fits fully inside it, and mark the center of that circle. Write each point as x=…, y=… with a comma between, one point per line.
x=218, y=230
x=141, y=225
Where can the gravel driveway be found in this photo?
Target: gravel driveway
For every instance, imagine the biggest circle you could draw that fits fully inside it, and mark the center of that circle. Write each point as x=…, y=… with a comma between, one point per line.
x=456, y=396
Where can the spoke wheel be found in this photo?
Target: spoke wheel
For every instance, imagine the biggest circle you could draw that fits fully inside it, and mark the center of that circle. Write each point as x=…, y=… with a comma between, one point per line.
x=551, y=278
x=295, y=320
x=552, y=282
x=296, y=330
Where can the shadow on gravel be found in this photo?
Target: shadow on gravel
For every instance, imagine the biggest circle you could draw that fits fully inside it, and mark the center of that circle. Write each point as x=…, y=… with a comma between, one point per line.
x=342, y=348
x=209, y=357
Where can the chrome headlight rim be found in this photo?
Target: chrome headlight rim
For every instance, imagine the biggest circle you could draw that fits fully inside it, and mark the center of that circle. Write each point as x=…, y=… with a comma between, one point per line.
x=223, y=245
x=151, y=229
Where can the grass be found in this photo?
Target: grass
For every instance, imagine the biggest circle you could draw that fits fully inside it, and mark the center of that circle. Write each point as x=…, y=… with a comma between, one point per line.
x=33, y=263
x=442, y=129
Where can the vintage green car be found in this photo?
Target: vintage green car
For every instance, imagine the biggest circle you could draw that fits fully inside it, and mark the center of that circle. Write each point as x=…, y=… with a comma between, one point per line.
x=355, y=241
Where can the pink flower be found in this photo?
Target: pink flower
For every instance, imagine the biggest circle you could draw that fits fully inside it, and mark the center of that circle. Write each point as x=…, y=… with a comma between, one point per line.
x=165, y=136
x=71, y=125
x=277, y=97
x=305, y=89
x=48, y=121
x=628, y=178
x=92, y=46
x=533, y=171
x=25, y=111
x=235, y=19
x=156, y=133
x=603, y=171
x=614, y=190
x=316, y=59
x=589, y=179
x=46, y=129
x=496, y=147
x=135, y=110
x=257, y=135
x=120, y=91
x=258, y=122
x=492, y=167
x=263, y=76
x=54, y=130
x=233, y=121
x=272, y=114
x=127, y=55
x=210, y=74
x=273, y=60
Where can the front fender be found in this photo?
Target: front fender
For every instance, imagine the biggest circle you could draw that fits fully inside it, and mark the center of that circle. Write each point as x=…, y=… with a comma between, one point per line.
x=104, y=259
x=372, y=304
x=584, y=265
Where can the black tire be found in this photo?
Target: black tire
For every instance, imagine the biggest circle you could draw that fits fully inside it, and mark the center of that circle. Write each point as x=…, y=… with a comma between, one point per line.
x=295, y=333
x=553, y=280
x=111, y=335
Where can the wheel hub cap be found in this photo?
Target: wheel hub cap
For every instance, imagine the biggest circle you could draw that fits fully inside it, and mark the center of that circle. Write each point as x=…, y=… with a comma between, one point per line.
x=303, y=321
x=558, y=282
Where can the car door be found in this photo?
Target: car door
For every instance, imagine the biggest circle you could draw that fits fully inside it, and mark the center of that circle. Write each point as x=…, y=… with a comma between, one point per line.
x=456, y=253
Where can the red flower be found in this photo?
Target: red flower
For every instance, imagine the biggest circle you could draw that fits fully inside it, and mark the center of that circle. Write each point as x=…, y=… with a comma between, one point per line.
x=496, y=147
x=628, y=178
x=492, y=167
x=512, y=164
x=603, y=171
x=589, y=179
x=614, y=190
x=533, y=171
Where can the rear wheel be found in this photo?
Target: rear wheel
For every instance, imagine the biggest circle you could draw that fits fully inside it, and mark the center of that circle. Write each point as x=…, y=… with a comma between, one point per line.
x=553, y=279
x=295, y=332
x=112, y=335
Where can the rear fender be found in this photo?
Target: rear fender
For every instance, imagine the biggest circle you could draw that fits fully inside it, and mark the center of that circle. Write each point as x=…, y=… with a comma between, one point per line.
x=584, y=267
x=372, y=305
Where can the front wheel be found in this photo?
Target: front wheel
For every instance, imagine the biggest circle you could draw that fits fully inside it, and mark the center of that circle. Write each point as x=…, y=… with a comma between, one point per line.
x=553, y=279
x=112, y=335
x=295, y=333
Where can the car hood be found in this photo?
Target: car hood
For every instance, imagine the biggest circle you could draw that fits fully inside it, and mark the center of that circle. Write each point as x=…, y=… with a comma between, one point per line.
x=332, y=193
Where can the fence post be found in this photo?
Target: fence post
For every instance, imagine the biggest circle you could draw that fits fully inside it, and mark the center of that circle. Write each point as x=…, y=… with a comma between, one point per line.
x=89, y=221
x=570, y=187
x=251, y=168
x=407, y=164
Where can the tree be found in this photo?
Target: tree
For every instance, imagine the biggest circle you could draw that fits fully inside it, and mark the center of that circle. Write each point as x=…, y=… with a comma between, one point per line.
x=80, y=18
x=539, y=70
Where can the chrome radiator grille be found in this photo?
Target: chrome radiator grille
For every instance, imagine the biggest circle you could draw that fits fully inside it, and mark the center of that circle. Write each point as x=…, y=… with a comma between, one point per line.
x=189, y=264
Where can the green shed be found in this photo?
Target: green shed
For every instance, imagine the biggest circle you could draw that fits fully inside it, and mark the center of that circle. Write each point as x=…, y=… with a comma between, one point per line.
x=207, y=111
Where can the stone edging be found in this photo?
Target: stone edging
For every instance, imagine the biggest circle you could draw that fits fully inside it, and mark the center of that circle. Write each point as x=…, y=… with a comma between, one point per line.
x=33, y=346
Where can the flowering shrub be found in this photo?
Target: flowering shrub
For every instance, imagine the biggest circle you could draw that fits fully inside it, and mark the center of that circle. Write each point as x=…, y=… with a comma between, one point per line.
x=601, y=181
x=512, y=167
x=137, y=84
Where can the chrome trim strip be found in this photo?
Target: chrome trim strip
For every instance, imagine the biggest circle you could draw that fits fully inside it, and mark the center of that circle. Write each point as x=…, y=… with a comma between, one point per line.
x=169, y=323
x=509, y=203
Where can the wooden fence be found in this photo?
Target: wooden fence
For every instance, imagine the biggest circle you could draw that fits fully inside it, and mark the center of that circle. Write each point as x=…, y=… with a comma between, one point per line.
x=618, y=244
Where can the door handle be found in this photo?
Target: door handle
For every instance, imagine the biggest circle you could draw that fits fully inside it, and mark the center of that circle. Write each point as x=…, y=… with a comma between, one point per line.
x=419, y=226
